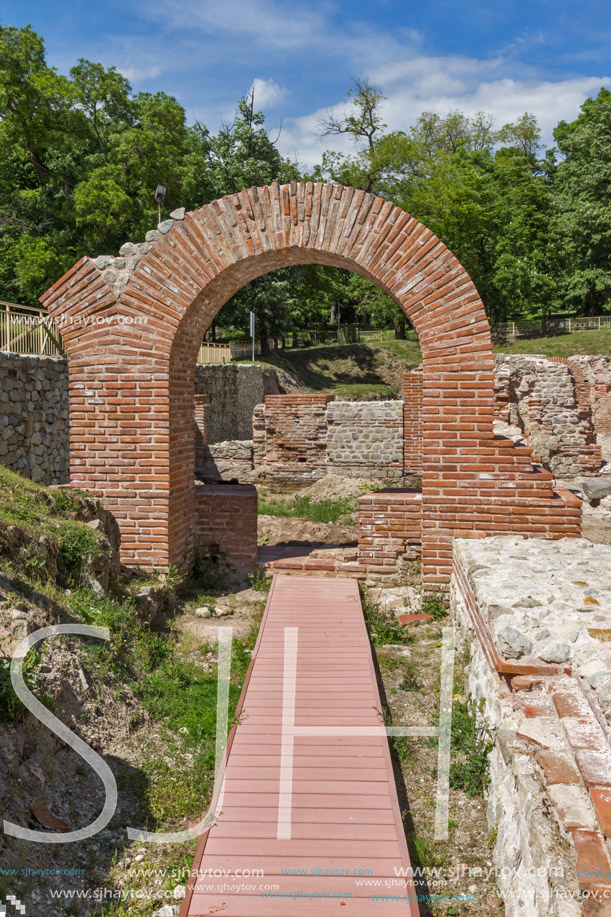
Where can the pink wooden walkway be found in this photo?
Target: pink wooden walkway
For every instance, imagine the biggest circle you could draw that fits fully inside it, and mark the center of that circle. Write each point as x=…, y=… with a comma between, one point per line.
x=331, y=797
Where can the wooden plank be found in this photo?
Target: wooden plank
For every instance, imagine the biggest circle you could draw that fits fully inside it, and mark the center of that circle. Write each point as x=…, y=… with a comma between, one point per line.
x=345, y=820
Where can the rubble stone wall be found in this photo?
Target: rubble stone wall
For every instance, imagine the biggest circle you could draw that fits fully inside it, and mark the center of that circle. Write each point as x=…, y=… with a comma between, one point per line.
x=365, y=439
x=34, y=417
x=234, y=390
x=548, y=401
x=535, y=615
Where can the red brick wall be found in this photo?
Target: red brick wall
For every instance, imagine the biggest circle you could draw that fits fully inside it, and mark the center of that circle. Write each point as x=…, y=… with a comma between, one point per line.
x=412, y=422
x=201, y=411
x=290, y=435
x=227, y=523
x=132, y=376
x=389, y=532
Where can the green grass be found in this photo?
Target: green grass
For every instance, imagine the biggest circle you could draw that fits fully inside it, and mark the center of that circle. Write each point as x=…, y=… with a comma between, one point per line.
x=563, y=345
x=410, y=680
x=358, y=370
x=434, y=605
x=471, y=746
x=11, y=708
x=306, y=508
x=382, y=628
x=54, y=513
x=349, y=370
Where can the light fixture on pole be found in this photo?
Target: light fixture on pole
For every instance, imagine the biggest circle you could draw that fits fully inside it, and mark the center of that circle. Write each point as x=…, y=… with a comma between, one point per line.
x=160, y=197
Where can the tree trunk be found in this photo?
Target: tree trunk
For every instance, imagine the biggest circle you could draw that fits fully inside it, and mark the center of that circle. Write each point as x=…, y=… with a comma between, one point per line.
x=401, y=330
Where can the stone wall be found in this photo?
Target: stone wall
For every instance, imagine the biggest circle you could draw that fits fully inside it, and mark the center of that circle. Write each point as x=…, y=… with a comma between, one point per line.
x=230, y=461
x=537, y=618
x=365, y=439
x=302, y=437
x=234, y=390
x=544, y=400
x=34, y=417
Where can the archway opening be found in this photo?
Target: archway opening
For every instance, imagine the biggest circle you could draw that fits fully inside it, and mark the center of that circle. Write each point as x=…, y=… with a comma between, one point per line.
x=132, y=387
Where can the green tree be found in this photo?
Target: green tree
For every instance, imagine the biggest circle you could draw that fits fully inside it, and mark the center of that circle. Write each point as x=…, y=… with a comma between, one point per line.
x=583, y=183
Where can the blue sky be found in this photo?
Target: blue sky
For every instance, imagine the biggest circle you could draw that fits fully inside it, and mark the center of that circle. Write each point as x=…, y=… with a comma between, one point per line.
x=542, y=56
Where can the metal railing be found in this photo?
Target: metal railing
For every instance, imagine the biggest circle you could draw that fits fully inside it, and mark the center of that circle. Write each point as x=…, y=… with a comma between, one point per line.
x=28, y=330
x=378, y=334
x=225, y=353
x=511, y=331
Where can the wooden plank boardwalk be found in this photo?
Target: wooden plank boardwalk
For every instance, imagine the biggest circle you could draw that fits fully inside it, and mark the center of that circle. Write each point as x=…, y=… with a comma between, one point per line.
x=309, y=798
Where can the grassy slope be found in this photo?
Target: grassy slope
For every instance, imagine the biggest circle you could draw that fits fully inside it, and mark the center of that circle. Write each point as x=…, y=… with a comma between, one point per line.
x=563, y=345
x=357, y=370
x=350, y=370
x=172, y=678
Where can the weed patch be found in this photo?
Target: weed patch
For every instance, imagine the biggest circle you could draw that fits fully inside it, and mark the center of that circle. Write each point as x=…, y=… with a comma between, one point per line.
x=382, y=628
x=471, y=745
x=305, y=508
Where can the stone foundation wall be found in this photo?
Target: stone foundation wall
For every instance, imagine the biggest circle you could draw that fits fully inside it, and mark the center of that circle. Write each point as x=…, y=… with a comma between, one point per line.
x=536, y=616
x=226, y=519
x=34, y=417
x=234, y=390
x=365, y=439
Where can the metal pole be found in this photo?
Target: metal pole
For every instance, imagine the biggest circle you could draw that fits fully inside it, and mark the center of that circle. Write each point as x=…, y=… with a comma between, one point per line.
x=252, y=334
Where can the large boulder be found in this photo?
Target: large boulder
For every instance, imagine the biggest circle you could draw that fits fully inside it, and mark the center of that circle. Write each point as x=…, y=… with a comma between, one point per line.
x=596, y=490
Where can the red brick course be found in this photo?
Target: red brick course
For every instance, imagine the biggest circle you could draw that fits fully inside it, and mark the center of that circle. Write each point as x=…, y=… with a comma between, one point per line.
x=132, y=351
x=290, y=435
x=412, y=422
x=227, y=523
x=389, y=531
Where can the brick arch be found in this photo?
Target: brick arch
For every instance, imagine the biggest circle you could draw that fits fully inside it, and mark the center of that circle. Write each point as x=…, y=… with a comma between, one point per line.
x=132, y=326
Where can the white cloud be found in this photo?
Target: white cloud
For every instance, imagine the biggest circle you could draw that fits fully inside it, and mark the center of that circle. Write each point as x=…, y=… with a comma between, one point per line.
x=267, y=93
x=135, y=73
x=273, y=23
x=441, y=85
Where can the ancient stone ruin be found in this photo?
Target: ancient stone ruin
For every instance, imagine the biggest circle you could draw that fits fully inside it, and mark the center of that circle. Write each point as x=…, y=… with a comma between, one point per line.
x=469, y=457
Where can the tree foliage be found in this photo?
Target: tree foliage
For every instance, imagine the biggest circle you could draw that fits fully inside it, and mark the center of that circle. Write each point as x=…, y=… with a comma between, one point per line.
x=81, y=156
